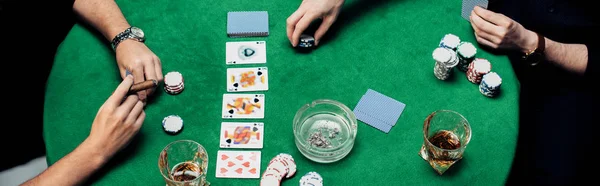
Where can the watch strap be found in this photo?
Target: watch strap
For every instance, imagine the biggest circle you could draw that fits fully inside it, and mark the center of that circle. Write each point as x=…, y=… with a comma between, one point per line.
x=537, y=53
x=541, y=44
x=120, y=37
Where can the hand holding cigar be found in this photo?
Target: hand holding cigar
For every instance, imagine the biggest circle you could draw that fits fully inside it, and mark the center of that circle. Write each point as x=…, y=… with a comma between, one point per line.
x=148, y=84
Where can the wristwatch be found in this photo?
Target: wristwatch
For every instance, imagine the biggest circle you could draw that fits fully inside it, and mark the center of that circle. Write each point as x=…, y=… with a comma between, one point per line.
x=535, y=56
x=134, y=33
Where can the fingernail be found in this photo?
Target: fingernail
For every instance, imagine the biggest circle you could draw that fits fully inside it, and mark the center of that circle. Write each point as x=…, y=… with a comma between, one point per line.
x=127, y=73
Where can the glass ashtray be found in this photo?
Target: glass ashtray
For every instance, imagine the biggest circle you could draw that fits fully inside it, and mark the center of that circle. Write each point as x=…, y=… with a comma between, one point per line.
x=325, y=130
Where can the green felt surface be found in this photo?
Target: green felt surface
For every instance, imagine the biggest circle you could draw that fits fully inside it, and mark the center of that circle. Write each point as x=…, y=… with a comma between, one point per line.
x=382, y=45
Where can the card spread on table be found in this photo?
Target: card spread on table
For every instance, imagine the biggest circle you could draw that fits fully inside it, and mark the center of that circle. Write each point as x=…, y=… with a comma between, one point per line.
x=247, y=23
x=247, y=79
x=238, y=164
x=469, y=5
x=378, y=110
x=243, y=106
x=245, y=52
x=247, y=135
x=374, y=122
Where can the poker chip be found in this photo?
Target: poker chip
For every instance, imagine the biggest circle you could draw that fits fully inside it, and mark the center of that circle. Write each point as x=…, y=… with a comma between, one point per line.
x=282, y=165
x=450, y=41
x=306, y=41
x=477, y=69
x=490, y=84
x=172, y=124
x=173, y=83
x=311, y=179
x=445, y=60
x=291, y=164
x=441, y=55
x=466, y=53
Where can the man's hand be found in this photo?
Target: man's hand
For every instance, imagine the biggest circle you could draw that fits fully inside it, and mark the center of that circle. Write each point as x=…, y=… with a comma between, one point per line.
x=117, y=120
x=500, y=32
x=116, y=123
x=309, y=11
x=137, y=58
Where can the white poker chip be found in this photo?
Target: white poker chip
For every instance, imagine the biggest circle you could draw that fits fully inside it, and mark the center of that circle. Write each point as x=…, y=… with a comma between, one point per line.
x=291, y=164
x=172, y=124
x=450, y=40
x=466, y=49
x=311, y=179
x=173, y=78
x=269, y=180
x=453, y=60
x=482, y=66
x=442, y=55
x=174, y=82
x=280, y=166
x=492, y=80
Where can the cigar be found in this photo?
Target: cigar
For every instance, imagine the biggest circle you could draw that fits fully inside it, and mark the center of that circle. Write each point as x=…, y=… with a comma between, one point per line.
x=148, y=84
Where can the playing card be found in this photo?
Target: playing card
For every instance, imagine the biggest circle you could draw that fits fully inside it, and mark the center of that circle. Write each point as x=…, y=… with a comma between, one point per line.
x=374, y=122
x=380, y=106
x=242, y=135
x=243, y=106
x=247, y=52
x=247, y=79
x=469, y=5
x=378, y=110
x=238, y=164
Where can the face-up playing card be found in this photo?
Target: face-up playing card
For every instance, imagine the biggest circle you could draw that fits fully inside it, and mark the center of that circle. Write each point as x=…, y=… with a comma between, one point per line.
x=247, y=79
x=469, y=5
x=243, y=106
x=247, y=52
x=242, y=135
x=238, y=164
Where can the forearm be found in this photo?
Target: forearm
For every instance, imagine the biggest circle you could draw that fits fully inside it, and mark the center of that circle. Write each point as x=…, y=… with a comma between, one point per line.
x=72, y=169
x=571, y=57
x=104, y=15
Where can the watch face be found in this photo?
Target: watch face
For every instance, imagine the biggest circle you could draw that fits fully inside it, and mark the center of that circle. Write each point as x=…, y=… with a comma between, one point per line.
x=535, y=58
x=137, y=32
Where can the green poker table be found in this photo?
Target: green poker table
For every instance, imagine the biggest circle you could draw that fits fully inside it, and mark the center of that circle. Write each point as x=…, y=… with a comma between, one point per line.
x=384, y=45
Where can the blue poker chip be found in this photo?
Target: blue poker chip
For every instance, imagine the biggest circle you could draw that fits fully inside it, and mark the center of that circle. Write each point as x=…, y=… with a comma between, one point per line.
x=490, y=84
x=172, y=124
x=311, y=179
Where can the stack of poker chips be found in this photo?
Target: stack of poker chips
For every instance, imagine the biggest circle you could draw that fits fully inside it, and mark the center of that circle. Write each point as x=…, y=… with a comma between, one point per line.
x=450, y=41
x=172, y=124
x=466, y=53
x=490, y=84
x=174, y=83
x=445, y=61
x=306, y=41
x=282, y=165
x=477, y=69
x=311, y=179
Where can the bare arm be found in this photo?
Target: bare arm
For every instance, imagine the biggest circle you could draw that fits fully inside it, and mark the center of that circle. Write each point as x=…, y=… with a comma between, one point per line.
x=104, y=15
x=132, y=56
x=72, y=169
x=572, y=57
x=498, y=31
x=115, y=124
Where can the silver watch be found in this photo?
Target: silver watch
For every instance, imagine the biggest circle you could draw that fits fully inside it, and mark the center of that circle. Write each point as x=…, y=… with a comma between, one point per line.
x=134, y=33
